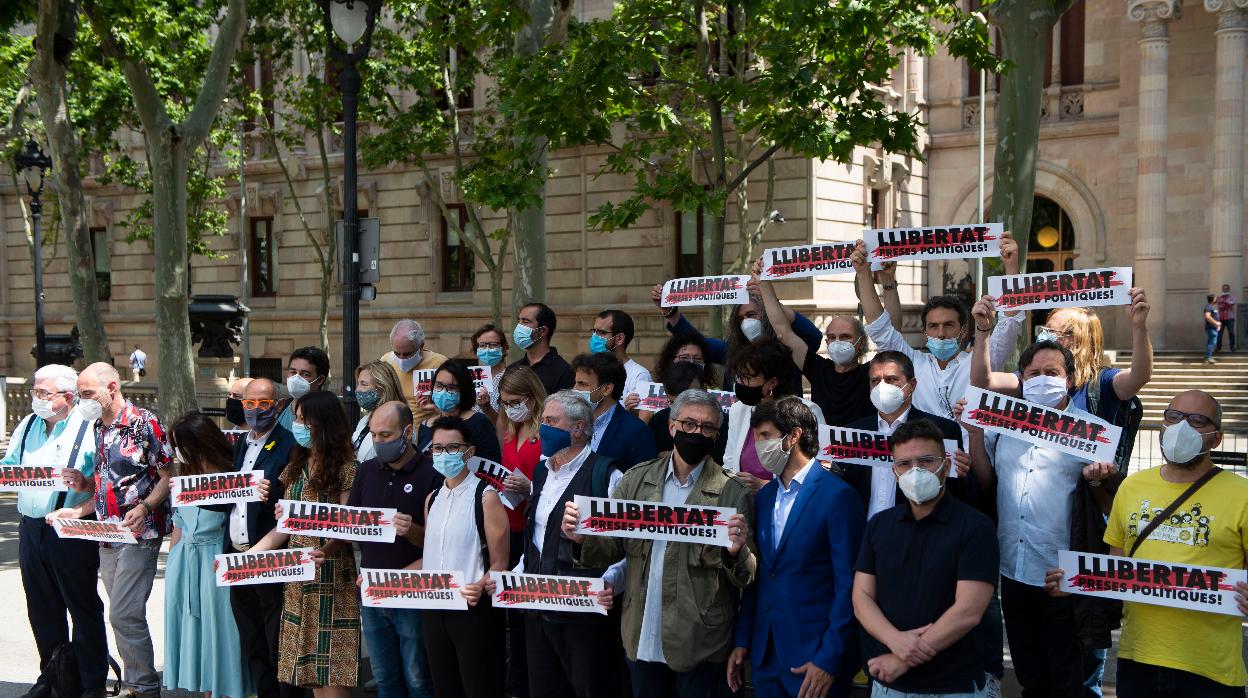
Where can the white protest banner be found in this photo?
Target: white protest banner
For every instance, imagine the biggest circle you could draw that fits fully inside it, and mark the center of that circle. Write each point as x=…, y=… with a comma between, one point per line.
x=268, y=567
x=706, y=290
x=622, y=518
x=1079, y=435
x=726, y=399
x=653, y=397
x=541, y=592
x=1173, y=584
x=937, y=242
x=422, y=381
x=861, y=447
x=32, y=478
x=337, y=521
x=807, y=260
x=1062, y=289
x=99, y=531
x=482, y=379
x=215, y=488
x=494, y=474
x=436, y=589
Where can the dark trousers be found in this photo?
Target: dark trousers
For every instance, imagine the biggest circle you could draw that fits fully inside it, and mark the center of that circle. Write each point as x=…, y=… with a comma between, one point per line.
x=465, y=650
x=517, y=657
x=1228, y=330
x=572, y=660
x=1048, y=659
x=258, y=615
x=655, y=680
x=1138, y=680
x=59, y=576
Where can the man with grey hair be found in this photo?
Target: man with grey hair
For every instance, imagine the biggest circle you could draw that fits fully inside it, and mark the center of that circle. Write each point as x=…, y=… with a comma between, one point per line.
x=677, y=627
x=58, y=574
x=407, y=354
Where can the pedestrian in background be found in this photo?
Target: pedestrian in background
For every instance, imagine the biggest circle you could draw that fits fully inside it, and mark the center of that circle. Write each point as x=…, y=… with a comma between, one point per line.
x=138, y=364
x=1226, y=315
x=1213, y=326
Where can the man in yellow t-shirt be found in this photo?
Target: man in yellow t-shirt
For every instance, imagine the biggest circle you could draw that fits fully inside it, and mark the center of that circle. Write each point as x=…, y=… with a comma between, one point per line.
x=407, y=354
x=1172, y=651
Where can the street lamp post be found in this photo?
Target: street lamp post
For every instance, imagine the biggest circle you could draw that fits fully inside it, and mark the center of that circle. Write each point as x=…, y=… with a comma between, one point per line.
x=352, y=21
x=34, y=164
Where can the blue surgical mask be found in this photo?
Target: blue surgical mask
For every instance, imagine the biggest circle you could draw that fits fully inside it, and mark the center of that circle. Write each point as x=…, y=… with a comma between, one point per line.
x=302, y=434
x=448, y=464
x=524, y=336
x=588, y=396
x=554, y=439
x=597, y=345
x=446, y=400
x=367, y=399
x=489, y=357
x=1044, y=334
x=943, y=349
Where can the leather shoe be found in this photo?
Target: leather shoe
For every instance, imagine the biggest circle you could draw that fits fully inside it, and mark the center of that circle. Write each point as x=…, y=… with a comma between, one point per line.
x=39, y=690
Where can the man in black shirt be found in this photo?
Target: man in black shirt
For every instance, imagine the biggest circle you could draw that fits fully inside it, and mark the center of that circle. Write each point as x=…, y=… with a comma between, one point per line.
x=535, y=325
x=926, y=570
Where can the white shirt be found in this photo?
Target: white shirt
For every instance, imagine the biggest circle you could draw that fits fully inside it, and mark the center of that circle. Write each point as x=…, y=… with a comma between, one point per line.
x=601, y=422
x=883, y=481
x=785, y=496
x=138, y=359
x=938, y=389
x=635, y=375
x=451, y=538
x=650, y=642
x=238, y=516
x=362, y=440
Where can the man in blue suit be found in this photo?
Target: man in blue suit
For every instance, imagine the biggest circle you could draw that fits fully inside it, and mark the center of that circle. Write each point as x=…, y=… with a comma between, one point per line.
x=618, y=434
x=796, y=623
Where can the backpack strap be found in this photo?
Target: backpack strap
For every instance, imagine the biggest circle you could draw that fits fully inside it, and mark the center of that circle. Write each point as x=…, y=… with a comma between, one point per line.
x=600, y=480
x=1174, y=506
x=479, y=512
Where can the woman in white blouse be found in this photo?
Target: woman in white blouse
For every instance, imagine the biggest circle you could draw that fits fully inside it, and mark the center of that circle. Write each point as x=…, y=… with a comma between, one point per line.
x=466, y=649
x=376, y=384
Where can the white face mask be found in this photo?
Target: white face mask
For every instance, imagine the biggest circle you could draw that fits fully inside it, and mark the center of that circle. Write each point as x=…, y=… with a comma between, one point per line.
x=771, y=455
x=842, y=352
x=297, y=386
x=517, y=413
x=919, y=485
x=90, y=408
x=752, y=328
x=178, y=457
x=410, y=363
x=1045, y=390
x=42, y=408
x=887, y=397
x=1181, y=443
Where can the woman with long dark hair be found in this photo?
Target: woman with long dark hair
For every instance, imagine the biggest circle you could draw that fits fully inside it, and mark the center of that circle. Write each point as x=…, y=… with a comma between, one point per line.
x=454, y=395
x=202, y=650
x=320, y=634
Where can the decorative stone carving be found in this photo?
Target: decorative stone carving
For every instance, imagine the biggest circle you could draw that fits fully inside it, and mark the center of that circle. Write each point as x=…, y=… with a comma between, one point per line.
x=1072, y=105
x=970, y=114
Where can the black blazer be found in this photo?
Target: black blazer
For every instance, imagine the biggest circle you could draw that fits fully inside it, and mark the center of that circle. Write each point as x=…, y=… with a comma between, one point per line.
x=859, y=476
x=274, y=456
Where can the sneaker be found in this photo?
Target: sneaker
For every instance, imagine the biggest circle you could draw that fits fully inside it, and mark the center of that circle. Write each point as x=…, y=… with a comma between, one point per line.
x=1210, y=360
x=861, y=680
x=994, y=686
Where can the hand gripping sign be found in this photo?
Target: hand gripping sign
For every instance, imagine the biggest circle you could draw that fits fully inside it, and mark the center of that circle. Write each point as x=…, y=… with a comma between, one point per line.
x=1078, y=434
x=100, y=531
x=541, y=592
x=32, y=478
x=706, y=290
x=1173, y=584
x=337, y=521
x=1062, y=289
x=268, y=567
x=681, y=523
x=430, y=589
x=939, y=242
x=215, y=488
x=861, y=447
x=807, y=260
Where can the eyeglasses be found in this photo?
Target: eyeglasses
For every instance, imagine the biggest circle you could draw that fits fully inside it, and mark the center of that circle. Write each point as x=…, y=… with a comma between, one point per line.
x=924, y=462
x=513, y=403
x=1196, y=419
x=690, y=358
x=605, y=334
x=690, y=426
x=262, y=404
x=453, y=449
x=445, y=388
x=405, y=354
x=489, y=345
x=48, y=394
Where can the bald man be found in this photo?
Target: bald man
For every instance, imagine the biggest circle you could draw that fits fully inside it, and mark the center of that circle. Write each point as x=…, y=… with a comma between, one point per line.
x=398, y=477
x=234, y=402
x=131, y=484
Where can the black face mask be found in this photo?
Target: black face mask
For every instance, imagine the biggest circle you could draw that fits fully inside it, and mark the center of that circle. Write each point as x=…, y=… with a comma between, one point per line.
x=234, y=411
x=750, y=395
x=693, y=448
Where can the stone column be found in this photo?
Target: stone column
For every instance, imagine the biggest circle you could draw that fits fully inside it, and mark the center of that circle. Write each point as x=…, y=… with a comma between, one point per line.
x=1226, y=239
x=1150, y=183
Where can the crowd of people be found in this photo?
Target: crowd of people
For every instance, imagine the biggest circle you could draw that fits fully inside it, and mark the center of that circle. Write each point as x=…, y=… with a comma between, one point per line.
x=907, y=577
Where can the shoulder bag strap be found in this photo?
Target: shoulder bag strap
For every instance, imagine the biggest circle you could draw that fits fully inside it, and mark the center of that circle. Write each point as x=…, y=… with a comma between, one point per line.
x=73, y=459
x=479, y=513
x=1174, y=506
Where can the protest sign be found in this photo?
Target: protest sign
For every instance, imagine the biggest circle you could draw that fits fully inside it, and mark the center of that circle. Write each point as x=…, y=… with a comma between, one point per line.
x=32, y=478
x=1080, y=288
x=1173, y=584
x=495, y=474
x=99, y=531
x=807, y=260
x=482, y=379
x=861, y=447
x=938, y=242
x=1079, y=434
x=268, y=567
x=540, y=592
x=653, y=397
x=215, y=488
x=726, y=399
x=422, y=381
x=436, y=589
x=337, y=521
x=706, y=290
x=622, y=518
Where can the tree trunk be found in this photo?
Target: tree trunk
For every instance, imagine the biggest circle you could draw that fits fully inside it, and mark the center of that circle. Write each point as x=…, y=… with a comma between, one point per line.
x=56, y=17
x=176, y=379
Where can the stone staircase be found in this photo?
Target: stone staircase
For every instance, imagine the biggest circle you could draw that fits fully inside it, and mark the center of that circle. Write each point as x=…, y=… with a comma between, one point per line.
x=1175, y=371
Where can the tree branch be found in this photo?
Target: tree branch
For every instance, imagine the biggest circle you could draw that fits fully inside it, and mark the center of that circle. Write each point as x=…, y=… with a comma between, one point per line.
x=147, y=101
x=736, y=181
x=198, y=123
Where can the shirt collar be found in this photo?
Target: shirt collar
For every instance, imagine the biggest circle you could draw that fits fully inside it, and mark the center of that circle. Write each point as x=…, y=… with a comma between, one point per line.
x=941, y=513
x=602, y=420
x=879, y=420
x=798, y=480
x=128, y=416
x=694, y=476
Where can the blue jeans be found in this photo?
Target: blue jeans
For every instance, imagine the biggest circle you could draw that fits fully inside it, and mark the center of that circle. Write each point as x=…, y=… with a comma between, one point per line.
x=1094, y=671
x=879, y=691
x=397, y=652
x=1211, y=335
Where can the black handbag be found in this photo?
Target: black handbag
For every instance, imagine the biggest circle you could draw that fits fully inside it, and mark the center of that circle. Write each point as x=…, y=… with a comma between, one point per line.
x=61, y=673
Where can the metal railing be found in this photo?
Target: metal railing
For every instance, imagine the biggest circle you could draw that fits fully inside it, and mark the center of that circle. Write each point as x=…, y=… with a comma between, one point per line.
x=1147, y=453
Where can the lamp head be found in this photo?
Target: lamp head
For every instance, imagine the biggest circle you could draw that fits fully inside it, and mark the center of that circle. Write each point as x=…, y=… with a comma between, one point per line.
x=33, y=163
x=352, y=19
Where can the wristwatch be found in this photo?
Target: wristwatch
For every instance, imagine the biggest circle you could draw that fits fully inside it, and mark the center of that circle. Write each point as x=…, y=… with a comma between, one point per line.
x=670, y=311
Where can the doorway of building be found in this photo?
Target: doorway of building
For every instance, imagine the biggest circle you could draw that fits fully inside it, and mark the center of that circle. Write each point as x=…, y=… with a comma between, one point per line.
x=1050, y=246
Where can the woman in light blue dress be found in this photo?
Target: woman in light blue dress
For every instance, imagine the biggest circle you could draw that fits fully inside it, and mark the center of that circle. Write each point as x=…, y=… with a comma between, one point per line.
x=202, y=651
